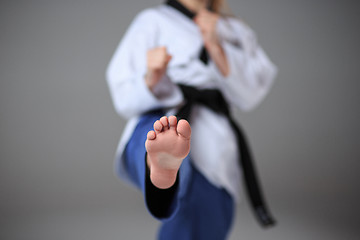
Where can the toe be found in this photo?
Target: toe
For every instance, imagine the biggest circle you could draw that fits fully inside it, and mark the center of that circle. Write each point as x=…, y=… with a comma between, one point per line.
x=151, y=135
x=158, y=127
x=172, y=122
x=165, y=122
x=184, y=129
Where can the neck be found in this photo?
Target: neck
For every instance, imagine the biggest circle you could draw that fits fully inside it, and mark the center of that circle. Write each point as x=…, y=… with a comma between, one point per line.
x=194, y=5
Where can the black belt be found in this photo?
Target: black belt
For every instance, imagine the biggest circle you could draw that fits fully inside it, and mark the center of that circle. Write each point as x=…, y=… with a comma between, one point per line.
x=214, y=100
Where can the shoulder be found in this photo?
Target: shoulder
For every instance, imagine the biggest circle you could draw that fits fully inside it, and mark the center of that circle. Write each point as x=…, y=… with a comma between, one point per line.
x=149, y=15
x=144, y=22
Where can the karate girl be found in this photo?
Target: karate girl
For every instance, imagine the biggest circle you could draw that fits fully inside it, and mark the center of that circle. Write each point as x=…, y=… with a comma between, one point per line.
x=188, y=170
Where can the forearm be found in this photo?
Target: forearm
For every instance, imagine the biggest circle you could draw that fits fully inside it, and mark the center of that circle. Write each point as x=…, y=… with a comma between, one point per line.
x=218, y=55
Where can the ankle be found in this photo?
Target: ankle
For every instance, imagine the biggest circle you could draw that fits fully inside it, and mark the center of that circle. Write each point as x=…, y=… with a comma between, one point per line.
x=161, y=178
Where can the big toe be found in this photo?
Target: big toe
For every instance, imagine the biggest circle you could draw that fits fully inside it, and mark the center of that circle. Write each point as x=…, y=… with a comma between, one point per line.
x=184, y=129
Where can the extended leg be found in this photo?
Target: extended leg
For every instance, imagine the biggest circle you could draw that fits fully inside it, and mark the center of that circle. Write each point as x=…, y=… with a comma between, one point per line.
x=162, y=203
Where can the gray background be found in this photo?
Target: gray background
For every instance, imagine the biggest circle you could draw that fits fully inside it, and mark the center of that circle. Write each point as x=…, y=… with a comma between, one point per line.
x=58, y=129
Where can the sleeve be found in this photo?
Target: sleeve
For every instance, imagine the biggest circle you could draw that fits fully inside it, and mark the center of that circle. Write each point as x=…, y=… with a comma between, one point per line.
x=251, y=71
x=127, y=68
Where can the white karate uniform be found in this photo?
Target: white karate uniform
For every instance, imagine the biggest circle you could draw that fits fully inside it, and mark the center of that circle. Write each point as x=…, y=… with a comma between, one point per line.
x=213, y=145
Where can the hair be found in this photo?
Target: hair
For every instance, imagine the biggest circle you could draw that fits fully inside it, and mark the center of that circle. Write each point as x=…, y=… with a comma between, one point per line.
x=221, y=7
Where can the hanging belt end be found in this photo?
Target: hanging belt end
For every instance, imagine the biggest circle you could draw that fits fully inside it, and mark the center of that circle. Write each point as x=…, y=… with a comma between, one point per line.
x=266, y=220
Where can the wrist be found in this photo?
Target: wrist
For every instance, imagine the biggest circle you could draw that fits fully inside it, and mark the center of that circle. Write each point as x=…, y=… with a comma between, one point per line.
x=149, y=81
x=213, y=47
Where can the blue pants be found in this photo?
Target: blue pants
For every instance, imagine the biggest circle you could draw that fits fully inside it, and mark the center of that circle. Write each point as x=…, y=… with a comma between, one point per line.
x=199, y=210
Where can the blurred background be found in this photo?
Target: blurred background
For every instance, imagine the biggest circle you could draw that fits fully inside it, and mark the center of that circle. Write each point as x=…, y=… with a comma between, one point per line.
x=59, y=131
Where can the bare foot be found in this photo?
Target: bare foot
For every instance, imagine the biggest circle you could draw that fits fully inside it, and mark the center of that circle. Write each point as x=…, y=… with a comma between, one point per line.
x=166, y=147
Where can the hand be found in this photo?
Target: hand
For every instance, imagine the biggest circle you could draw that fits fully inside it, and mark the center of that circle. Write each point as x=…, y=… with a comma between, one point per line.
x=207, y=21
x=157, y=61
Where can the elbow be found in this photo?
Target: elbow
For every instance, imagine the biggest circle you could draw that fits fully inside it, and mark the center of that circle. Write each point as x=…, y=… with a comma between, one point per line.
x=125, y=113
x=124, y=108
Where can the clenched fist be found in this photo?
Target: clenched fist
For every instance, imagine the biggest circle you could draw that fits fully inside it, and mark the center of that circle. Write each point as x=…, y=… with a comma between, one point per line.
x=157, y=61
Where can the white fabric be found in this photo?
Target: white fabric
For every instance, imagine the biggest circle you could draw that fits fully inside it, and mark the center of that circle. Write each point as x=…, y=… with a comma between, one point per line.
x=213, y=145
